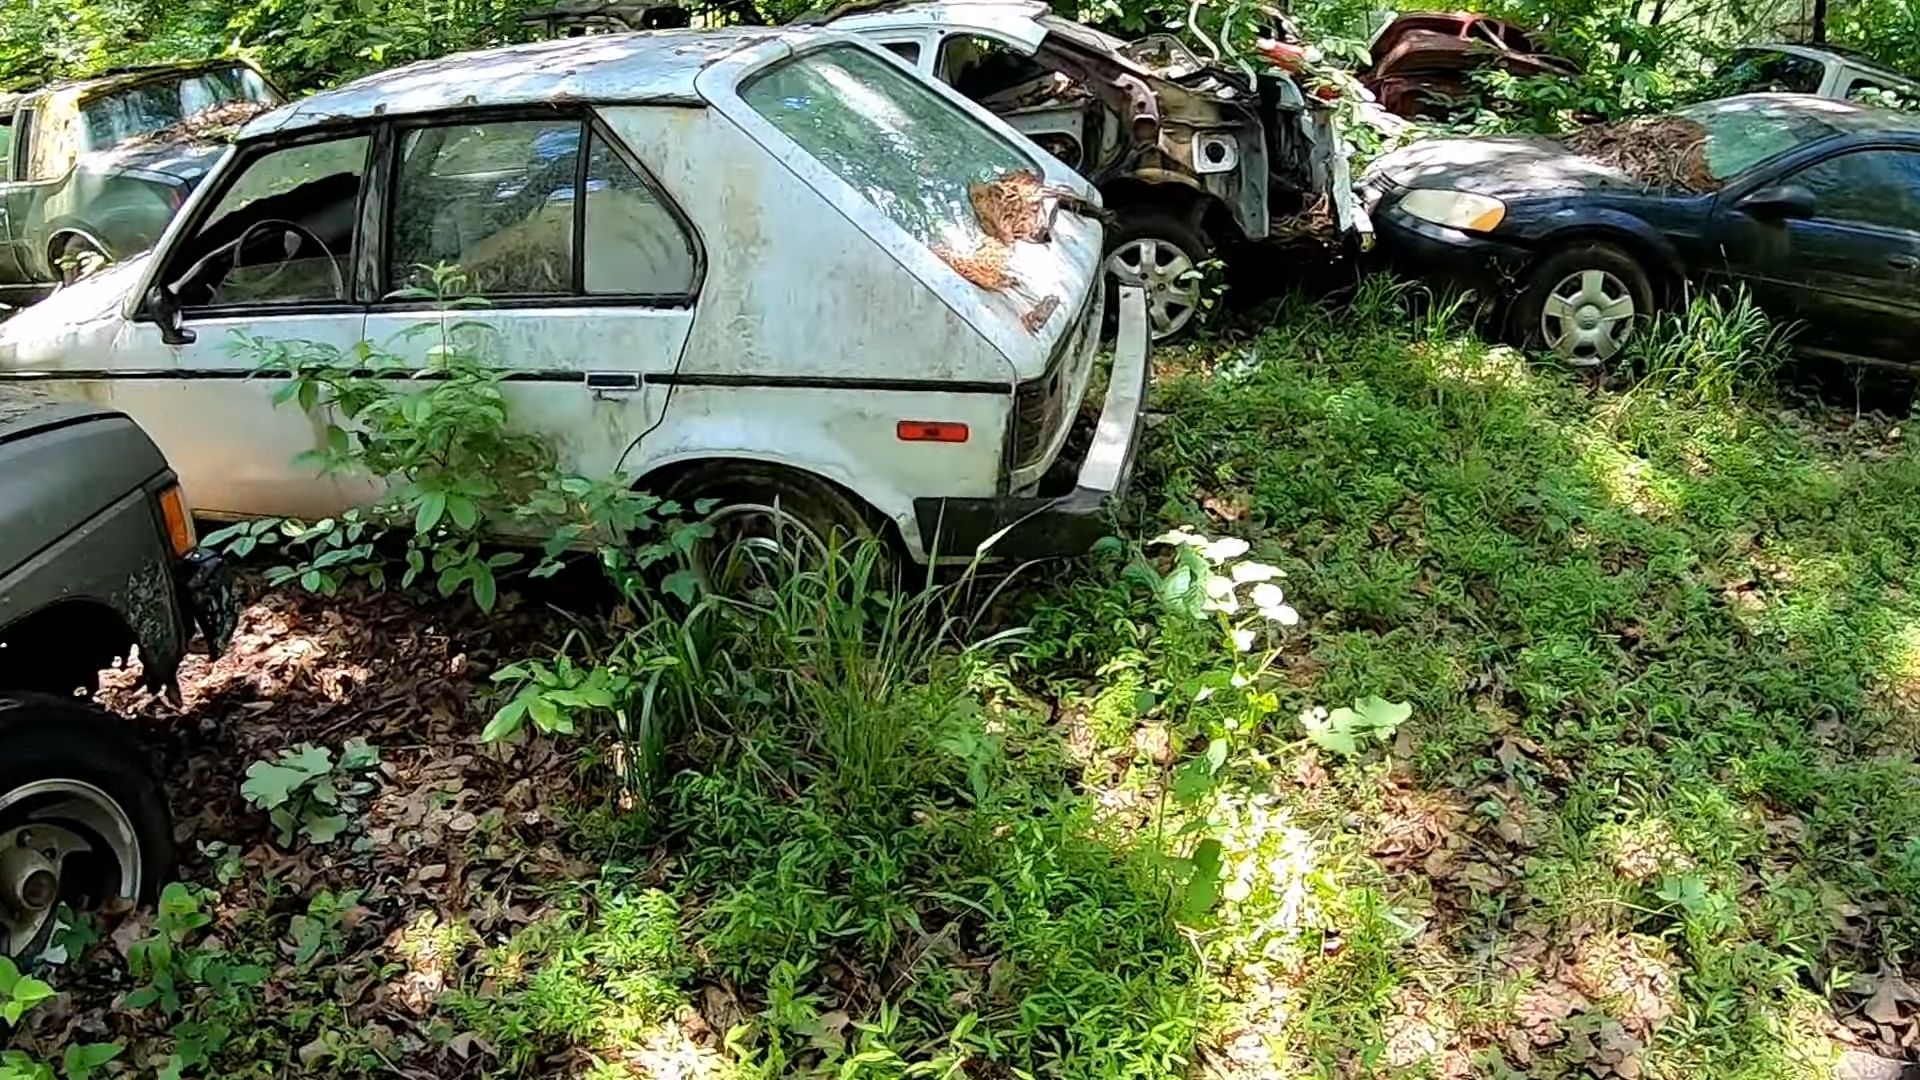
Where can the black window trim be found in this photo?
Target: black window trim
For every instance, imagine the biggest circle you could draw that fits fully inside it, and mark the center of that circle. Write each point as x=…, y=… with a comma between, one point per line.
x=248, y=154
x=593, y=126
x=26, y=124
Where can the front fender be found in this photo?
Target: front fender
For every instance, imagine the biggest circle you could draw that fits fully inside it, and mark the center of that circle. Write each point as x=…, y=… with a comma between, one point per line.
x=1573, y=222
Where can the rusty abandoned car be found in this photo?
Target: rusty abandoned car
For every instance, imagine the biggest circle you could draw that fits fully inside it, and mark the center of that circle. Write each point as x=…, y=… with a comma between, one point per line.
x=1191, y=157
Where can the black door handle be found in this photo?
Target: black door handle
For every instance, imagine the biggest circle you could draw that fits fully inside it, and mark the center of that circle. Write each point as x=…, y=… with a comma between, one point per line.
x=1904, y=262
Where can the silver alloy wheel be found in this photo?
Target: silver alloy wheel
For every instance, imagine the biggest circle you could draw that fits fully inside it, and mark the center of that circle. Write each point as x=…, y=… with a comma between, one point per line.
x=59, y=838
x=1167, y=274
x=754, y=547
x=1587, y=317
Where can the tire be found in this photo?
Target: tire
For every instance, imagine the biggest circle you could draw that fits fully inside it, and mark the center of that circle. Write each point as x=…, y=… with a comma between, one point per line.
x=71, y=773
x=1581, y=304
x=77, y=259
x=1162, y=252
x=753, y=547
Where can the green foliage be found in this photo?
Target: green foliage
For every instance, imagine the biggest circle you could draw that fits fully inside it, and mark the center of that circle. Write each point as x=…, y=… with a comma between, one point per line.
x=441, y=443
x=306, y=793
x=19, y=994
x=1345, y=731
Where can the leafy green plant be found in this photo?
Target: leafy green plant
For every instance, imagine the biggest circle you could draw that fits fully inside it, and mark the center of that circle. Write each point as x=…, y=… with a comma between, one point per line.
x=19, y=993
x=320, y=931
x=1347, y=730
x=306, y=793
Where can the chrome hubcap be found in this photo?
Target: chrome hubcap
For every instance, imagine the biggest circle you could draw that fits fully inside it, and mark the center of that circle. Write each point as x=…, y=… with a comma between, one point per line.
x=1588, y=317
x=1167, y=274
x=60, y=840
x=753, y=549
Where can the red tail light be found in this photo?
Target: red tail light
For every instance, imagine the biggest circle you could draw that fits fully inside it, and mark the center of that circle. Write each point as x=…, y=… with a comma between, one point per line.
x=948, y=431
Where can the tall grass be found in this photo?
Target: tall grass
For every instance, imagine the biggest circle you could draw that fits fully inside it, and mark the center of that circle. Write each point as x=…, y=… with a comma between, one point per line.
x=1714, y=352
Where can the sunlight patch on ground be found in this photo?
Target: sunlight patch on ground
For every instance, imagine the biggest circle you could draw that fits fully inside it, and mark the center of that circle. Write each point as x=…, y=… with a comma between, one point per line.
x=1631, y=481
x=1268, y=884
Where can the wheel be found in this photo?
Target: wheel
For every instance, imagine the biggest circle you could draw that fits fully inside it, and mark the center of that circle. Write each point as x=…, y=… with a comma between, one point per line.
x=79, y=258
x=82, y=821
x=1160, y=252
x=768, y=523
x=1581, y=304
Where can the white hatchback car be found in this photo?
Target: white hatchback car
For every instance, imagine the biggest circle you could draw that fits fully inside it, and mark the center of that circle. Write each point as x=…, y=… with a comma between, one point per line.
x=727, y=264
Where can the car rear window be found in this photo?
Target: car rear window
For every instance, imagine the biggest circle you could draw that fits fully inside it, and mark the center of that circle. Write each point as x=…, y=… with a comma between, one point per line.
x=911, y=152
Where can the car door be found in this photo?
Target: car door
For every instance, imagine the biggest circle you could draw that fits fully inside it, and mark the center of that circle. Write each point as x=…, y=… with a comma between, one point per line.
x=265, y=262
x=9, y=262
x=584, y=269
x=1849, y=270
x=16, y=135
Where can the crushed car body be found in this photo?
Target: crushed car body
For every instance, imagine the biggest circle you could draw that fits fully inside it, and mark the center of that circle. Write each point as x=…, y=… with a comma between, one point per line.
x=1191, y=156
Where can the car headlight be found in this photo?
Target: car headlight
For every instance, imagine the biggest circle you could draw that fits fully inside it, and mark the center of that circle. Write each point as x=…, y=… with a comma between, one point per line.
x=1455, y=209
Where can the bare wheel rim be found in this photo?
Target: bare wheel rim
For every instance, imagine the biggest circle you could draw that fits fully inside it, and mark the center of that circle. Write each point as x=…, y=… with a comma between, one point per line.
x=61, y=841
x=80, y=261
x=1167, y=274
x=1588, y=317
x=754, y=548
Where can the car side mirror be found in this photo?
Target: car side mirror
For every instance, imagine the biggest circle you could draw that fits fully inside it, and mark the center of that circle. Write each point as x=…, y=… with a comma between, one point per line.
x=165, y=309
x=1779, y=202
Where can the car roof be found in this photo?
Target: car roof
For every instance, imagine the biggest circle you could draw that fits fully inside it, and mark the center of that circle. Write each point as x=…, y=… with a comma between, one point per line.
x=1020, y=20
x=119, y=78
x=1829, y=54
x=1842, y=116
x=628, y=68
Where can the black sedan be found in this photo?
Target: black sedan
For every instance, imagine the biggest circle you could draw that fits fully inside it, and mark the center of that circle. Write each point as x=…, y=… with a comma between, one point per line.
x=1812, y=204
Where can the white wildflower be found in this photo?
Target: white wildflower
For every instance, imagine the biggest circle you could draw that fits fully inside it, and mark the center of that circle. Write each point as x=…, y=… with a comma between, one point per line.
x=1227, y=547
x=1244, y=572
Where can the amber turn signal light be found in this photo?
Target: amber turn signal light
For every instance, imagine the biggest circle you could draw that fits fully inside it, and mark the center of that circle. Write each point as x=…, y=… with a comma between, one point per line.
x=173, y=511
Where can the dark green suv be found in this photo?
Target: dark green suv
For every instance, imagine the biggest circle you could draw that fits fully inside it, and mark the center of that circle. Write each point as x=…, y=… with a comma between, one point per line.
x=97, y=559
x=92, y=171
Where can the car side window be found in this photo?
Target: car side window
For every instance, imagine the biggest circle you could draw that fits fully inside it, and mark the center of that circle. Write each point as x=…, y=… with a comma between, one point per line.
x=1866, y=187
x=495, y=199
x=981, y=67
x=6, y=147
x=282, y=232
x=634, y=244
x=905, y=50
x=508, y=200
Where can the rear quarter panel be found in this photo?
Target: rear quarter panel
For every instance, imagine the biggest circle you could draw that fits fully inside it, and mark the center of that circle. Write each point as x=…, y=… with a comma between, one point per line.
x=809, y=342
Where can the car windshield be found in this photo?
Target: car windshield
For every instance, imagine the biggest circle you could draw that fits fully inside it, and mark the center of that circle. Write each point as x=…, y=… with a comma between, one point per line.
x=909, y=151
x=1742, y=132
x=159, y=104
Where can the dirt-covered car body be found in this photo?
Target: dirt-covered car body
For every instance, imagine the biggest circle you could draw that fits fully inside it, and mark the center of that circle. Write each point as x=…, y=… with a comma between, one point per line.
x=699, y=251
x=93, y=170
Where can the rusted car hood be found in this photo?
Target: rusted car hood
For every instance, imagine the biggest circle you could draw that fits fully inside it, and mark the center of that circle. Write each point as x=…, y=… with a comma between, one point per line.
x=1508, y=165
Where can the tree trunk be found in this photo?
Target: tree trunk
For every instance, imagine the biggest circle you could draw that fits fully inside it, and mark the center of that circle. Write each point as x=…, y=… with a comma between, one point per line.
x=1819, y=22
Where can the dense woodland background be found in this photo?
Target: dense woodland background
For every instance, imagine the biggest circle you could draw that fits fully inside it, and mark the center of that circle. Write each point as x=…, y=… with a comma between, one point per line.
x=1639, y=54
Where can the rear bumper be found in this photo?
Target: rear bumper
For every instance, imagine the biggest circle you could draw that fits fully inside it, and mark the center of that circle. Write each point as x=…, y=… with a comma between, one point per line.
x=1033, y=526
